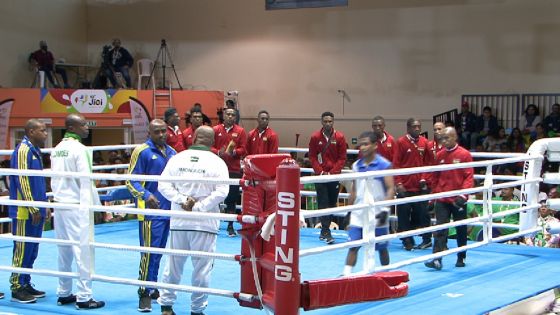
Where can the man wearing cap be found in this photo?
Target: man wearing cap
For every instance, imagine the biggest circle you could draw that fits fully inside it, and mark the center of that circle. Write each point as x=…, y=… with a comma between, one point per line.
x=174, y=136
x=44, y=60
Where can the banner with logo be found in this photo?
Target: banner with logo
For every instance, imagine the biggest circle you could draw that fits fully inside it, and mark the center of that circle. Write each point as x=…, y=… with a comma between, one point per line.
x=140, y=120
x=5, y=110
x=86, y=101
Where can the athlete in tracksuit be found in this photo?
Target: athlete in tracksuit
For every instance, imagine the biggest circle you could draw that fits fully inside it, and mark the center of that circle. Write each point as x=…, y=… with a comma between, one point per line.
x=70, y=155
x=198, y=162
x=150, y=158
x=262, y=140
x=27, y=220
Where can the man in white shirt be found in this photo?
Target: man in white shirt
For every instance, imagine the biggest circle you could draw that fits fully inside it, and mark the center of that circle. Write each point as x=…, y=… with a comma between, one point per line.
x=70, y=155
x=198, y=162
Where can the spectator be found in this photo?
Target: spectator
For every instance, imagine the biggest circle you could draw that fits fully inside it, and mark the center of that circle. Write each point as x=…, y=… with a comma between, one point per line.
x=543, y=238
x=327, y=153
x=174, y=135
x=413, y=151
x=485, y=124
x=506, y=194
x=494, y=141
x=465, y=124
x=528, y=123
x=540, y=132
x=386, y=144
x=552, y=121
x=121, y=61
x=515, y=141
x=44, y=60
x=262, y=140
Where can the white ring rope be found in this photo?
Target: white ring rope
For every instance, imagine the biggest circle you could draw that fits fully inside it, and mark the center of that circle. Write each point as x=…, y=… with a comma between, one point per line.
x=485, y=220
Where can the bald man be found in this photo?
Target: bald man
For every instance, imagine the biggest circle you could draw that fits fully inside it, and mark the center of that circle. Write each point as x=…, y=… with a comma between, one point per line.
x=198, y=162
x=27, y=221
x=455, y=206
x=150, y=158
x=70, y=155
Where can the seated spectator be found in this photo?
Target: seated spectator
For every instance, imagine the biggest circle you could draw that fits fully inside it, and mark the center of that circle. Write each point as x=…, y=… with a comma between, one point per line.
x=121, y=61
x=44, y=60
x=515, y=141
x=528, y=123
x=485, y=124
x=506, y=194
x=552, y=121
x=465, y=124
x=543, y=238
x=540, y=132
x=494, y=141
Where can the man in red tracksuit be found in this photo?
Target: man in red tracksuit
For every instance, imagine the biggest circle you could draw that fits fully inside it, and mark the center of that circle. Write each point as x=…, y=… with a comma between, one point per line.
x=386, y=144
x=412, y=151
x=174, y=136
x=262, y=140
x=196, y=120
x=327, y=153
x=230, y=143
x=455, y=206
x=436, y=145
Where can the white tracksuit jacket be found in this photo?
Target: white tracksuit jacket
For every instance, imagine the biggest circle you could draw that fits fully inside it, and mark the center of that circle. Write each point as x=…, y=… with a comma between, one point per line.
x=196, y=162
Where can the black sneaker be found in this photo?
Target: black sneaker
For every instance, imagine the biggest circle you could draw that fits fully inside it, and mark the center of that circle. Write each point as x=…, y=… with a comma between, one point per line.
x=91, y=304
x=31, y=290
x=1, y=295
x=231, y=231
x=460, y=262
x=197, y=313
x=167, y=310
x=63, y=300
x=434, y=264
x=145, y=304
x=424, y=245
x=22, y=296
x=155, y=294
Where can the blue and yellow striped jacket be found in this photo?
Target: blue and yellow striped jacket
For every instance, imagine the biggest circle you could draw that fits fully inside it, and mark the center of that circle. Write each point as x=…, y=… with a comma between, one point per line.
x=26, y=156
x=147, y=159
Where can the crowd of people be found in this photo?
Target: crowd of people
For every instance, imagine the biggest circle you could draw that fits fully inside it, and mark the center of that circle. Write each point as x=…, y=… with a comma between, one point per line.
x=204, y=151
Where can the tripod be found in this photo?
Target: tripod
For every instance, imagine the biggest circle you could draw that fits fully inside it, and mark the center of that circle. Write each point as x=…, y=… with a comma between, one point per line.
x=165, y=55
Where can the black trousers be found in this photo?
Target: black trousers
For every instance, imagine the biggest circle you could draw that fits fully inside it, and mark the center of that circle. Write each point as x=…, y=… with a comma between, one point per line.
x=413, y=215
x=327, y=197
x=444, y=211
x=233, y=197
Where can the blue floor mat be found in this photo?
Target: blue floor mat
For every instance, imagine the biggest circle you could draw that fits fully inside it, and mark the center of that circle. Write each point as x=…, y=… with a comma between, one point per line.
x=496, y=275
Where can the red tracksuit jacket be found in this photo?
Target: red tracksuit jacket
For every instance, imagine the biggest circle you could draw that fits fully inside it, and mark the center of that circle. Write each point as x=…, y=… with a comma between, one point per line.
x=262, y=143
x=222, y=137
x=327, y=155
x=175, y=140
x=411, y=153
x=387, y=148
x=456, y=178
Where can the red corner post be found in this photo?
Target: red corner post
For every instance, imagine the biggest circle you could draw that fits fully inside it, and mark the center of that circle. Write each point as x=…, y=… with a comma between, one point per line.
x=286, y=271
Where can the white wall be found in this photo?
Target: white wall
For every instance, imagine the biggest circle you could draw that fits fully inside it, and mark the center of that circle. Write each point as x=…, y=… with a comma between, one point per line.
x=396, y=58
x=23, y=23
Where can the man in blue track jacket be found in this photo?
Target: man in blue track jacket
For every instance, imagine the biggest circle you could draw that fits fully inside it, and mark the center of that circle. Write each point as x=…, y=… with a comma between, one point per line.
x=150, y=158
x=27, y=220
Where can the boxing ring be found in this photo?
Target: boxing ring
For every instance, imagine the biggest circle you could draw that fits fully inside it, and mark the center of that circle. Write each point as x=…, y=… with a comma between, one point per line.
x=290, y=261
